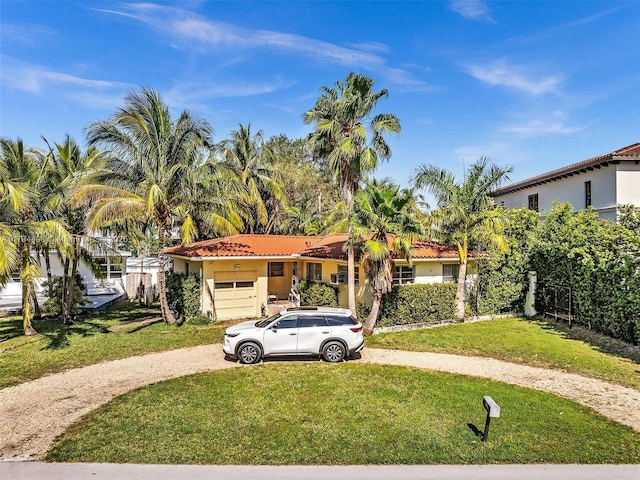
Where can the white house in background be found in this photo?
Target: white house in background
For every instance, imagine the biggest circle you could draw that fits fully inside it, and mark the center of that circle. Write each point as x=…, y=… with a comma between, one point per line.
x=602, y=182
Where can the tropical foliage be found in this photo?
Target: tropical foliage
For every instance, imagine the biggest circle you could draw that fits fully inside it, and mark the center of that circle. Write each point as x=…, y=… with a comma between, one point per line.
x=466, y=214
x=351, y=139
x=386, y=222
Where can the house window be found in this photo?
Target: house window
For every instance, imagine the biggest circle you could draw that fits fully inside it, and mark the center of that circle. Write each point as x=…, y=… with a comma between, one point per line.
x=314, y=272
x=533, y=202
x=404, y=275
x=587, y=194
x=343, y=270
x=276, y=269
x=110, y=267
x=450, y=272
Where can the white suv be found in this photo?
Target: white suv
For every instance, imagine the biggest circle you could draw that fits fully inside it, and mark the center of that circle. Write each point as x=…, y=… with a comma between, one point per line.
x=332, y=333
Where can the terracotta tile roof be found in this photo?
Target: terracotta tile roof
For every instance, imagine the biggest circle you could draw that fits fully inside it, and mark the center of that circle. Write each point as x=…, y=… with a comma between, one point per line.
x=631, y=152
x=329, y=246
x=244, y=246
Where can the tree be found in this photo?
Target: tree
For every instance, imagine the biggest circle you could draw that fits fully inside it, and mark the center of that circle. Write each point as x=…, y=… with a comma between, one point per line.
x=352, y=141
x=152, y=175
x=25, y=220
x=68, y=169
x=246, y=156
x=466, y=214
x=387, y=221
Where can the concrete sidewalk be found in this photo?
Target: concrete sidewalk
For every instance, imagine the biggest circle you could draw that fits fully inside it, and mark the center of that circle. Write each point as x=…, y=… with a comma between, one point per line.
x=97, y=471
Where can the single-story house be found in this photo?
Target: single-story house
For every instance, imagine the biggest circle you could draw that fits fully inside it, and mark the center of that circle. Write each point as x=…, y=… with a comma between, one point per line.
x=242, y=274
x=601, y=182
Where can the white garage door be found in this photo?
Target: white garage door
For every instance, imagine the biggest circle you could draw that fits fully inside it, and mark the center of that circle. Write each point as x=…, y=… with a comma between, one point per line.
x=235, y=295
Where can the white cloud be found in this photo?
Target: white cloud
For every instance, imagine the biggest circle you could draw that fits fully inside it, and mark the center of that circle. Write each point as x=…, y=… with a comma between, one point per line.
x=554, y=123
x=189, y=93
x=197, y=31
x=500, y=73
x=472, y=9
x=25, y=34
x=41, y=80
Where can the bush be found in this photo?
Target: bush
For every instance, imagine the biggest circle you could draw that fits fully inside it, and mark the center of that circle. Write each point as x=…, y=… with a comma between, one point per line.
x=418, y=303
x=53, y=306
x=183, y=295
x=320, y=294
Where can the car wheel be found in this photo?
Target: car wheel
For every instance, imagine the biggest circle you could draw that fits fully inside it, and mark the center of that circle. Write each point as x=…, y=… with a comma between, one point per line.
x=249, y=353
x=334, y=352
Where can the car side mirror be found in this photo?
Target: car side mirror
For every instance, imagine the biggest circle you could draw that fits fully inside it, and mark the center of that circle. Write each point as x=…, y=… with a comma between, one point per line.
x=274, y=329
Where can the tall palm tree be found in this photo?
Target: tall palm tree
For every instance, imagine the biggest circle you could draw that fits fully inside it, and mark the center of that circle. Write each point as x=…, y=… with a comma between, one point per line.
x=152, y=174
x=466, y=214
x=352, y=140
x=246, y=155
x=387, y=221
x=69, y=169
x=25, y=220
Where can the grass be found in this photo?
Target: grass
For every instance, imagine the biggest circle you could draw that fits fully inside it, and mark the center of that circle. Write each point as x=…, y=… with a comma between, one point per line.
x=317, y=413
x=89, y=340
x=530, y=342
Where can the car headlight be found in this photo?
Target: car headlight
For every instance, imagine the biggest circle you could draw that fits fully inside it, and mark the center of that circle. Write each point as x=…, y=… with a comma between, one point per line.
x=231, y=334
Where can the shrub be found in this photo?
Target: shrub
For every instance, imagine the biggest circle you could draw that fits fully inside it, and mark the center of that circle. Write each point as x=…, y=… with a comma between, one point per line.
x=53, y=306
x=320, y=294
x=183, y=295
x=418, y=303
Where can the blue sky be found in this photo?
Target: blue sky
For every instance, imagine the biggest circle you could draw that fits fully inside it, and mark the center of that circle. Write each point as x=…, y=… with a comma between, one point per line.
x=535, y=85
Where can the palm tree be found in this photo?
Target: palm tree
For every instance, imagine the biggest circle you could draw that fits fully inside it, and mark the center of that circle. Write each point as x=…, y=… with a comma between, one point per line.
x=69, y=169
x=24, y=220
x=387, y=220
x=466, y=214
x=153, y=173
x=352, y=141
x=246, y=156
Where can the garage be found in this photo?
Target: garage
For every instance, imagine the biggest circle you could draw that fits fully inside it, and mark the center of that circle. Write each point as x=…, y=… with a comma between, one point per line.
x=234, y=295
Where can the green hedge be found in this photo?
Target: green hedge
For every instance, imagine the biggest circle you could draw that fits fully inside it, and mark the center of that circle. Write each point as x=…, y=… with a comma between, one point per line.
x=418, y=303
x=317, y=294
x=183, y=292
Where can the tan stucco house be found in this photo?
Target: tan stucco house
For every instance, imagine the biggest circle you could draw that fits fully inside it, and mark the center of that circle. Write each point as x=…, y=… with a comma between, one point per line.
x=242, y=275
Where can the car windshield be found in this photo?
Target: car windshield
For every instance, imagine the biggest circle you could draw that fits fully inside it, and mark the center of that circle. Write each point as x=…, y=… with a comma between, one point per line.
x=267, y=321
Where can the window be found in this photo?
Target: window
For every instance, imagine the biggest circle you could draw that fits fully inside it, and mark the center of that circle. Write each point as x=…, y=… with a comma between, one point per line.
x=111, y=267
x=222, y=285
x=244, y=284
x=450, y=272
x=587, y=194
x=343, y=271
x=276, y=269
x=314, y=272
x=312, y=321
x=403, y=275
x=533, y=202
x=289, y=322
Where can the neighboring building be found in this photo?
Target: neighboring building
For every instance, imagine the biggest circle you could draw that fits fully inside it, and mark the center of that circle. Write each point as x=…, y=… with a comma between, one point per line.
x=242, y=274
x=602, y=182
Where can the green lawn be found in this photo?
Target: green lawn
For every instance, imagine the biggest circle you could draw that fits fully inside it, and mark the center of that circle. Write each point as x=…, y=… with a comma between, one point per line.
x=530, y=342
x=284, y=413
x=89, y=341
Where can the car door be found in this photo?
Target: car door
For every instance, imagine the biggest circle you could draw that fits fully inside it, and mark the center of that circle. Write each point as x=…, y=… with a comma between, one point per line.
x=281, y=338
x=312, y=331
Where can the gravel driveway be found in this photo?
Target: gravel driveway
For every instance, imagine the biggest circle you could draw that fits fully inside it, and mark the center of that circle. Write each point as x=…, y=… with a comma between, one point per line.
x=35, y=412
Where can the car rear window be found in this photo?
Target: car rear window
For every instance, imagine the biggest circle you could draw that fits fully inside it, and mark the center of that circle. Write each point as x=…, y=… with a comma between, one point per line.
x=337, y=320
x=312, y=321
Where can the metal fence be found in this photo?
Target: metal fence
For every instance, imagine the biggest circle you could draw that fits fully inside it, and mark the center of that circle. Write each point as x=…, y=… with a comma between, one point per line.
x=555, y=301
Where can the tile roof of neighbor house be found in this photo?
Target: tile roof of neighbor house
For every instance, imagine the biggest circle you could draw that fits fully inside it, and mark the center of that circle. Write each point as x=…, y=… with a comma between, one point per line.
x=631, y=152
x=328, y=246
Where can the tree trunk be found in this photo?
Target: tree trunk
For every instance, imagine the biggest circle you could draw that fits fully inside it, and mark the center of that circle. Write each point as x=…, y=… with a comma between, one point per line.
x=71, y=285
x=47, y=262
x=66, y=314
x=167, y=316
x=462, y=276
x=27, y=288
x=373, y=314
x=351, y=274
